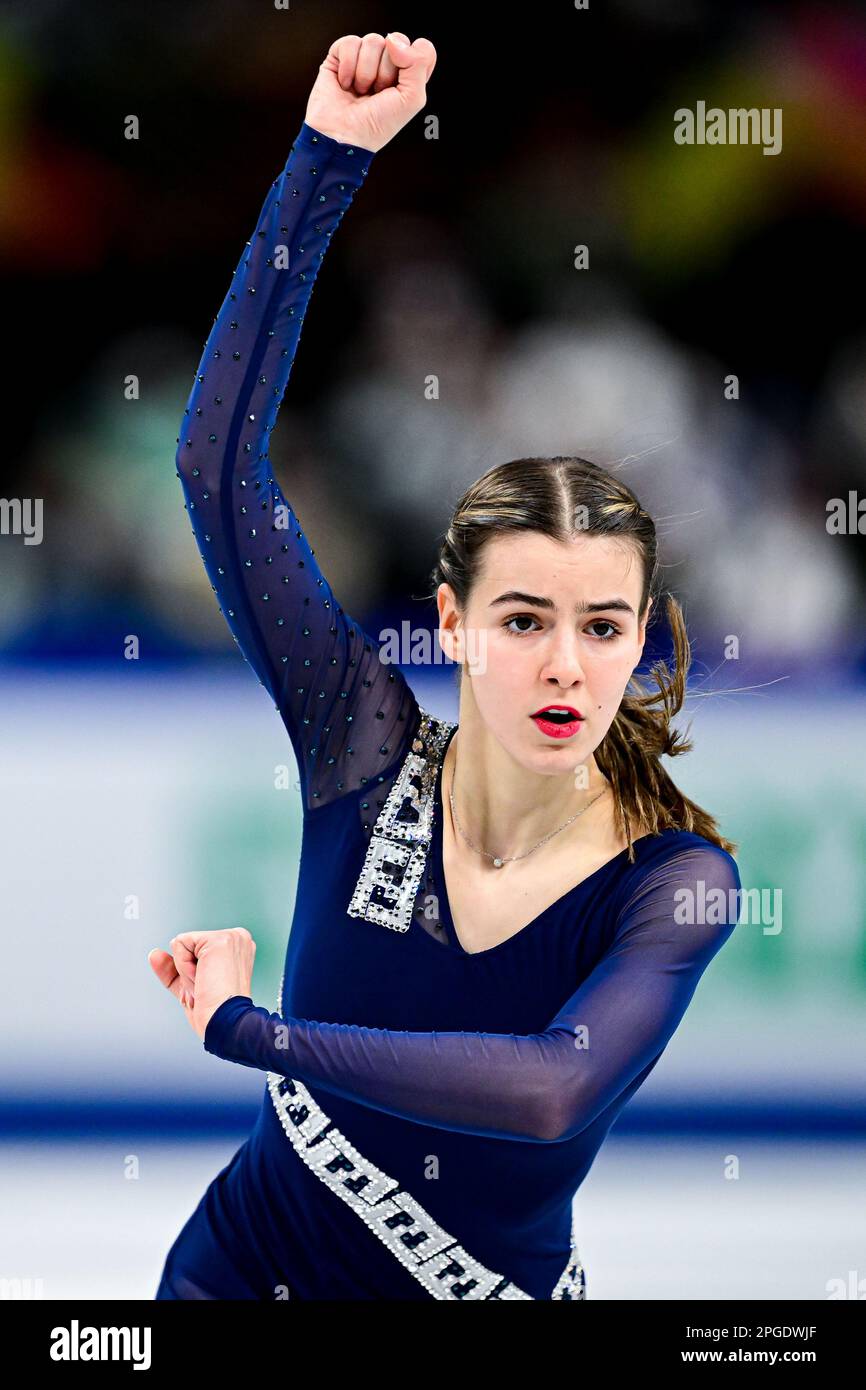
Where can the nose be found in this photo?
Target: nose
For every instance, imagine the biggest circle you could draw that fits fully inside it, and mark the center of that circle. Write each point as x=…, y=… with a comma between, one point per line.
x=562, y=666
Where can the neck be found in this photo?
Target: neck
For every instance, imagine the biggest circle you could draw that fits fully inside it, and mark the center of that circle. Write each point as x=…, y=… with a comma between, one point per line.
x=504, y=808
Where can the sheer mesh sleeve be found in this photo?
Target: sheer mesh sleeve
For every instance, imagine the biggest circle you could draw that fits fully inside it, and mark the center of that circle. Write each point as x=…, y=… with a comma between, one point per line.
x=343, y=707
x=543, y=1087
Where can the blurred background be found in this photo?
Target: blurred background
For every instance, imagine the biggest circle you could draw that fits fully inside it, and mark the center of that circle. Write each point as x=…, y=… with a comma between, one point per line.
x=138, y=796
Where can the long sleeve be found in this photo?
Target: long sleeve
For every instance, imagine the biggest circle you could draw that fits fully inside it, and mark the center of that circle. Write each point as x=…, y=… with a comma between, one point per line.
x=540, y=1088
x=343, y=707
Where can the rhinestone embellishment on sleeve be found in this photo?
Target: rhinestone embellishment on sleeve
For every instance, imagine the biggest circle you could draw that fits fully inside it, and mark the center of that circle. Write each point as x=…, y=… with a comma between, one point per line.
x=436, y=1259
x=400, y=839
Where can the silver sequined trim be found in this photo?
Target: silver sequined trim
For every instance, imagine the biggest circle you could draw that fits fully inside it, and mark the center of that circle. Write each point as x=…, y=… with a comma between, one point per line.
x=432, y=1256
x=400, y=839
x=413, y=1236
x=385, y=893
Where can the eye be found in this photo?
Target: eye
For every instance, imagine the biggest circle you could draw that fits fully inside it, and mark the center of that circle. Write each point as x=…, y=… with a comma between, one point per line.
x=519, y=618
x=605, y=636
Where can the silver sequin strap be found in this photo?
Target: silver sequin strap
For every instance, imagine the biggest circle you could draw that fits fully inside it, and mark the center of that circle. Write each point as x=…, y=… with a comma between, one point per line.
x=400, y=839
x=432, y=1256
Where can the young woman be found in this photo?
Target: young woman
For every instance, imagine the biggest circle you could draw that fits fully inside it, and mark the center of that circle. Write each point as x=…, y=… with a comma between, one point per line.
x=500, y=922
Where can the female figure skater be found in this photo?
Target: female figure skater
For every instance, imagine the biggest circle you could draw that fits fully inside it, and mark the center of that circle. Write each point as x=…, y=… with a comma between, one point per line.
x=499, y=923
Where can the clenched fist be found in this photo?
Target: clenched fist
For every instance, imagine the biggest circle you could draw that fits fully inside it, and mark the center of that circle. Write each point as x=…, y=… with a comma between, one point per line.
x=368, y=89
x=204, y=968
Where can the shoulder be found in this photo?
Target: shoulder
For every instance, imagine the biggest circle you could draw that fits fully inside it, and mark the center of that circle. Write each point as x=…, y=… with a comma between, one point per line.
x=678, y=859
x=679, y=902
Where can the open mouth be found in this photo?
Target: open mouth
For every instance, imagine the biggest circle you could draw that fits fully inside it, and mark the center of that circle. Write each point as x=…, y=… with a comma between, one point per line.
x=558, y=721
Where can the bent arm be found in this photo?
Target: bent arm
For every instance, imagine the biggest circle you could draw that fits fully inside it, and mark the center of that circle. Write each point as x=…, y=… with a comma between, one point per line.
x=538, y=1088
x=340, y=704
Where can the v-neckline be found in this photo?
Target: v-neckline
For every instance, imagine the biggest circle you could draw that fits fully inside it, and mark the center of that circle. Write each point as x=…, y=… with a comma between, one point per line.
x=453, y=942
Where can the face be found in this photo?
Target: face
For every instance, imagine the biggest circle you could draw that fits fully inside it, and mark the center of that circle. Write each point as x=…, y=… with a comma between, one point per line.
x=548, y=623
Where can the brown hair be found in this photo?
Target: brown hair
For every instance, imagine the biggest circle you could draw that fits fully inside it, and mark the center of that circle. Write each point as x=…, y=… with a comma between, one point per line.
x=562, y=497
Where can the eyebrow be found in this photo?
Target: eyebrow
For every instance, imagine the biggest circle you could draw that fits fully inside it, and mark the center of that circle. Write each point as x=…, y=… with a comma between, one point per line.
x=534, y=601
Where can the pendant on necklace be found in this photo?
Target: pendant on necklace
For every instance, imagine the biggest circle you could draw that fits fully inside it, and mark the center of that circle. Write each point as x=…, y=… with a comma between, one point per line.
x=497, y=863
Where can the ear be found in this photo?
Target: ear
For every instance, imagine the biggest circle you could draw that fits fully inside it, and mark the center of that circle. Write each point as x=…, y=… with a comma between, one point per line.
x=449, y=619
x=444, y=598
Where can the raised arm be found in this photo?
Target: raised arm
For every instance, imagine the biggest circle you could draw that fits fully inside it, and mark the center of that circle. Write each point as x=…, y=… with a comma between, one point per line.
x=341, y=705
x=539, y=1088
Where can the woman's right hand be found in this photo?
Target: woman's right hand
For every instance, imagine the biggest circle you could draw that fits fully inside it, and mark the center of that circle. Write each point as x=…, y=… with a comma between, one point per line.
x=368, y=89
x=204, y=968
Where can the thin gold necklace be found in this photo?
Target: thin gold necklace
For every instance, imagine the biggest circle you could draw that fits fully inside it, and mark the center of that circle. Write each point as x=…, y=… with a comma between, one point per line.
x=499, y=860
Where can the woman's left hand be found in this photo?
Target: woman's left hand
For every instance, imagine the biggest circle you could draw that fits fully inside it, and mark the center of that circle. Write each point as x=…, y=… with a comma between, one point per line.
x=204, y=968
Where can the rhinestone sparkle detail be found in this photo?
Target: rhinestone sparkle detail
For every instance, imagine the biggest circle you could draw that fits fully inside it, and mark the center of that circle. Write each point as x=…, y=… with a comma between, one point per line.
x=400, y=839
x=431, y=1255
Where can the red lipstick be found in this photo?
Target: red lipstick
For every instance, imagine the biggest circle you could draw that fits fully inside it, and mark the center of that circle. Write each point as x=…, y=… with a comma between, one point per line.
x=558, y=721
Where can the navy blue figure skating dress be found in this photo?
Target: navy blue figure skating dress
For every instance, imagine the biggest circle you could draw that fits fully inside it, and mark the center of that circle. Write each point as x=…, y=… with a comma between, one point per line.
x=428, y=1113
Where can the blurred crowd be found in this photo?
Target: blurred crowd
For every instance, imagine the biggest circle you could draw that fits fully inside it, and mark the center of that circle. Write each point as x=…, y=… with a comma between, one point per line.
x=456, y=261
